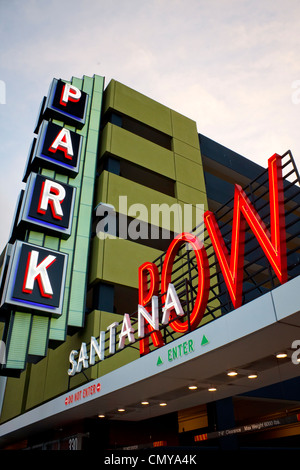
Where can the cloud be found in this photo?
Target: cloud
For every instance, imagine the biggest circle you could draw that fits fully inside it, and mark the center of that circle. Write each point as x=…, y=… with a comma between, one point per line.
x=229, y=65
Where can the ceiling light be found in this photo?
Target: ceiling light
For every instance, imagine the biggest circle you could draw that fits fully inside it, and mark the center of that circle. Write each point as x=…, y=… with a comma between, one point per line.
x=193, y=387
x=162, y=404
x=101, y=416
x=121, y=410
x=144, y=403
x=252, y=376
x=212, y=389
x=281, y=355
x=232, y=373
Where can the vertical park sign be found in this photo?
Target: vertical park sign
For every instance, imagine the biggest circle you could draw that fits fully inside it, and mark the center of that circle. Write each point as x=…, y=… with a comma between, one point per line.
x=44, y=265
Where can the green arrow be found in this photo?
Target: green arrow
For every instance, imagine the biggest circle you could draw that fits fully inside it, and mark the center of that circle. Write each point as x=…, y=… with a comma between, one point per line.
x=204, y=340
x=159, y=361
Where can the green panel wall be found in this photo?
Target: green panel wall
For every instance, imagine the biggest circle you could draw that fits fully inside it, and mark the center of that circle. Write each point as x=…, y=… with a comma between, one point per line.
x=182, y=164
x=117, y=261
x=128, y=101
x=124, y=144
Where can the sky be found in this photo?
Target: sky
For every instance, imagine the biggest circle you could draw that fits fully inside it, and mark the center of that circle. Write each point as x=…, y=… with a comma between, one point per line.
x=233, y=66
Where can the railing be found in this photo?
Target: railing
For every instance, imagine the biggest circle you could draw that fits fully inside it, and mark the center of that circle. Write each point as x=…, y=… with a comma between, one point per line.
x=259, y=277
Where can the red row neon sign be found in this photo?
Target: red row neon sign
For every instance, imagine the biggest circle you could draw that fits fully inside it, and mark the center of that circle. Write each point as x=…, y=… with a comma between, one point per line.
x=272, y=243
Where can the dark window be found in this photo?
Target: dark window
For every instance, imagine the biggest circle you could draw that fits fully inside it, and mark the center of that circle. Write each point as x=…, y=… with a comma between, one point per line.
x=103, y=297
x=138, y=174
x=113, y=298
x=138, y=128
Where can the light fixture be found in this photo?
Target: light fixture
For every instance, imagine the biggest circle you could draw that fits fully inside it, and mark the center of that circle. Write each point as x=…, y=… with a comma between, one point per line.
x=193, y=387
x=212, y=389
x=144, y=403
x=232, y=373
x=101, y=416
x=163, y=404
x=121, y=410
x=281, y=355
x=252, y=376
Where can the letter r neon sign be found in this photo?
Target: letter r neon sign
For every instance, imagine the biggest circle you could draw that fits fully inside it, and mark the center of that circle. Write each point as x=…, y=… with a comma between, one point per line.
x=53, y=194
